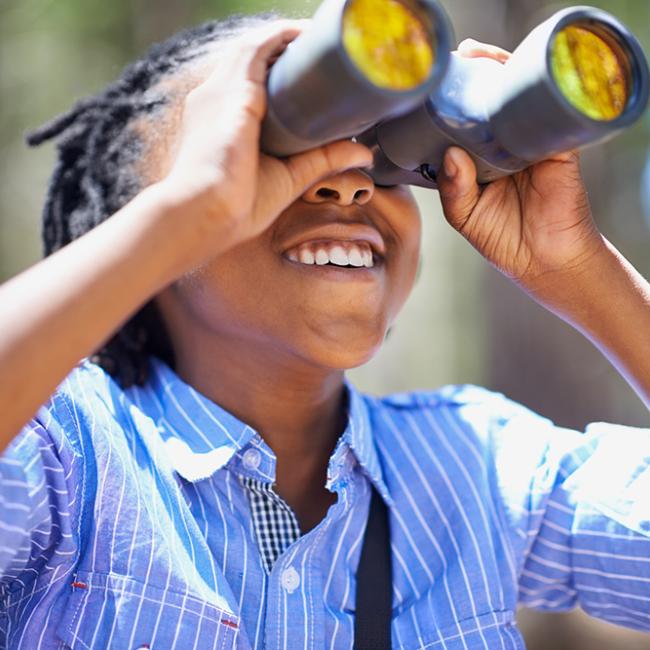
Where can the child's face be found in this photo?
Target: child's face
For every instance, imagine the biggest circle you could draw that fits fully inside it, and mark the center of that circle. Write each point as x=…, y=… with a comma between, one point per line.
x=259, y=296
x=329, y=315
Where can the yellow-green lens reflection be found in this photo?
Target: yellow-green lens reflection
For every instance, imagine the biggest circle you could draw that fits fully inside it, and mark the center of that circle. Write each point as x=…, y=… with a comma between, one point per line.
x=388, y=43
x=589, y=73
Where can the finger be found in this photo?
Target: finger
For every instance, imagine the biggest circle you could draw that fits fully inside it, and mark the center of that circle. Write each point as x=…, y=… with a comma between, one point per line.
x=459, y=191
x=472, y=49
x=265, y=45
x=311, y=166
x=250, y=55
x=572, y=157
x=244, y=63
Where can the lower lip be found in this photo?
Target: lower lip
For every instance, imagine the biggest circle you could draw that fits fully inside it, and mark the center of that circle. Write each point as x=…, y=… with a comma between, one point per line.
x=338, y=273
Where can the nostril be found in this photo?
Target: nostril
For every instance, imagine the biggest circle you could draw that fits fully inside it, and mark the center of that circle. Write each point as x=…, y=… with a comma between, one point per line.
x=327, y=193
x=361, y=195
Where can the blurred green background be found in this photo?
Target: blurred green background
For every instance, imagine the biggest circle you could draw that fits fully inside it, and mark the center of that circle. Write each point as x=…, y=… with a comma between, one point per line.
x=464, y=323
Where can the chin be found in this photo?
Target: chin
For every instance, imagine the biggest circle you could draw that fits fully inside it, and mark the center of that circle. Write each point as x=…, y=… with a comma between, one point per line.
x=349, y=349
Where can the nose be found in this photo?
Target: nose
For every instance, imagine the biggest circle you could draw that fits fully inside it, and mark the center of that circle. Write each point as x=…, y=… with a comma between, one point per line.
x=349, y=187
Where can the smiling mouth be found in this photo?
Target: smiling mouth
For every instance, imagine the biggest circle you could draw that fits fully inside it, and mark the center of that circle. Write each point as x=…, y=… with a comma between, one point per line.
x=342, y=254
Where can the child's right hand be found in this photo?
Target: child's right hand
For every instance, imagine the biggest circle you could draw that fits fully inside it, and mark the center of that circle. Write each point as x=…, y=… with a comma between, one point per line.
x=219, y=191
x=220, y=185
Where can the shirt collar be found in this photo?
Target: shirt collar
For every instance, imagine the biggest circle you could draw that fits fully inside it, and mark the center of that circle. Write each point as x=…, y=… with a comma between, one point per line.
x=200, y=437
x=358, y=436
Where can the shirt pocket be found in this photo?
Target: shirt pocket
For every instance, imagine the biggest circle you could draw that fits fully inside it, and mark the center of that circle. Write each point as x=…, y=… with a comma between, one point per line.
x=111, y=611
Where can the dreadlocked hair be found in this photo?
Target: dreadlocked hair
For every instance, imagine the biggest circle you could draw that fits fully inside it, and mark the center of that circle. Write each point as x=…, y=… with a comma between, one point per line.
x=94, y=175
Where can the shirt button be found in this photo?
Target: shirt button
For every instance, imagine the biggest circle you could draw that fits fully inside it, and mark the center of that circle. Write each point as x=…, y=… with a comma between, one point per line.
x=290, y=580
x=252, y=459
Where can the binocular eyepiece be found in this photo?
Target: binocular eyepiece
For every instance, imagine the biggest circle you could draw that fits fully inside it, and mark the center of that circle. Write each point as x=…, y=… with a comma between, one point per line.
x=382, y=71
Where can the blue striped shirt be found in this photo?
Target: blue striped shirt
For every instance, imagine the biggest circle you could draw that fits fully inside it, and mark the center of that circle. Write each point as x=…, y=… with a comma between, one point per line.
x=124, y=522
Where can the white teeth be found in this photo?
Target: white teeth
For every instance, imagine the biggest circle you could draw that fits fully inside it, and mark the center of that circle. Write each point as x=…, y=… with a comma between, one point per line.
x=355, y=256
x=338, y=256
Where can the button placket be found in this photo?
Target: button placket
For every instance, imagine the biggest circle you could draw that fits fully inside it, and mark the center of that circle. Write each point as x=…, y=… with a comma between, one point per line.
x=284, y=588
x=290, y=579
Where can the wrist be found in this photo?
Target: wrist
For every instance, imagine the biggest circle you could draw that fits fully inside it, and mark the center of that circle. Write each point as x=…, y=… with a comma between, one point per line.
x=565, y=281
x=608, y=301
x=592, y=292
x=174, y=231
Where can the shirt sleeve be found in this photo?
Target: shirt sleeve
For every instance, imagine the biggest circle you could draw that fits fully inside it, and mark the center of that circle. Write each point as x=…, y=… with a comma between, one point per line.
x=580, y=517
x=35, y=497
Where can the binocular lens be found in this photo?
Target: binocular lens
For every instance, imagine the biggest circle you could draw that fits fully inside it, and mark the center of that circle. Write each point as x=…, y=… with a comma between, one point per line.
x=389, y=42
x=592, y=72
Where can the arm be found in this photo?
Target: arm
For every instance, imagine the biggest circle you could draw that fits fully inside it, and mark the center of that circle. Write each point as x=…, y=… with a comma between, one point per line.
x=589, y=538
x=536, y=227
x=40, y=500
x=576, y=509
x=609, y=302
x=218, y=190
x=62, y=308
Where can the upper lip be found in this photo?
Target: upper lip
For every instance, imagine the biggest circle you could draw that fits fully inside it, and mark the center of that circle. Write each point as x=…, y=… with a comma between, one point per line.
x=338, y=231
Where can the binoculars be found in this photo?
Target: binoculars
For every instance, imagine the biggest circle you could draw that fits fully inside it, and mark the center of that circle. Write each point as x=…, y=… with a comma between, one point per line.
x=382, y=72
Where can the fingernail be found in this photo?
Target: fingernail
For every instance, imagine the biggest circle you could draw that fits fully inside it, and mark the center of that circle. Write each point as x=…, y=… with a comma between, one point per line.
x=451, y=169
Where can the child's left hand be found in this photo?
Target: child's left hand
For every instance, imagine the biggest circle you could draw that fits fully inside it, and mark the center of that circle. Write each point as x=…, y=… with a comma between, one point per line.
x=536, y=226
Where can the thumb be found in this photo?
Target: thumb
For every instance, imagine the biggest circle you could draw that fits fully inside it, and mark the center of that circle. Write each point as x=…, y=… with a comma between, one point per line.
x=311, y=166
x=459, y=191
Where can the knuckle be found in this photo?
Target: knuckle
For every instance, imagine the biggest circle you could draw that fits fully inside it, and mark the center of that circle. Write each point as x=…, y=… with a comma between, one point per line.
x=194, y=98
x=253, y=98
x=244, y=47
x=468, y=43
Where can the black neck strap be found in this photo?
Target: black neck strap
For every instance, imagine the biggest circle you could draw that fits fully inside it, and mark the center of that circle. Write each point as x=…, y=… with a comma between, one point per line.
x=374, y=582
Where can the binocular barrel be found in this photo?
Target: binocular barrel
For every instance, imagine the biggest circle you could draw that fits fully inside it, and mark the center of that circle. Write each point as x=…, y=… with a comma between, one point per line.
x=577, y=79
x=360, y=61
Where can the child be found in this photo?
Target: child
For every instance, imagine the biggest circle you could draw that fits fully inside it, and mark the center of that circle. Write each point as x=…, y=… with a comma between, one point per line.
x=203, y=479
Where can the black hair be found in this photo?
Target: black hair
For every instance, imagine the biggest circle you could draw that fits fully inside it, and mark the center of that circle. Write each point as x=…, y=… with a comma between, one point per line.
x=94, y=175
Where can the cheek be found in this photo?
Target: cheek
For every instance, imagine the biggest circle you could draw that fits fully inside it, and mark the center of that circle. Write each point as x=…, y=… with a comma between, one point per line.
x=405, y=269
x=403, y=279
x=232, y=291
